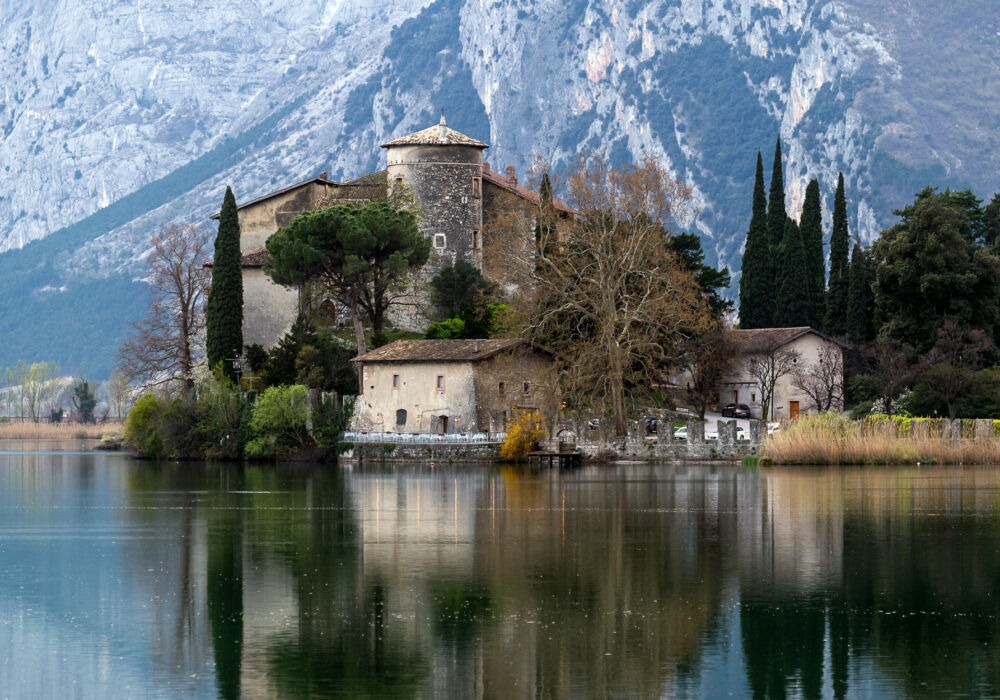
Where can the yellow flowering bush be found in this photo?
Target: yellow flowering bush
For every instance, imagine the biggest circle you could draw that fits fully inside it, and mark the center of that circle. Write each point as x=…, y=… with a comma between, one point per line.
x=524, y=430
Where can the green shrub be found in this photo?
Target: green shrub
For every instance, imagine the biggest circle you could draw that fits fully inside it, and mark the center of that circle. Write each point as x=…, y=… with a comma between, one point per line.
x=447, y=329
x=278, y=422
x=223, y=418
x=141, y=426
x=178, y=430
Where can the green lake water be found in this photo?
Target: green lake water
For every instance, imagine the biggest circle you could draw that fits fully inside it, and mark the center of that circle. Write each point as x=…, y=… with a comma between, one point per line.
x=122, y=579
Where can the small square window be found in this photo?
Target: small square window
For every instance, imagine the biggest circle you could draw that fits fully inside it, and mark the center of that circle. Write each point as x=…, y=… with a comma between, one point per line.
x=440, y=241
x=395, y=381
x=753, y=398
x=501, y=388
x=439, y=384
x=477, y=187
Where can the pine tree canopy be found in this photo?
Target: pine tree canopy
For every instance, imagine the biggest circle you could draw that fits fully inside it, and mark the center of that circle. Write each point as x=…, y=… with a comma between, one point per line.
x=756, y=288
x=792, y=305
x=835, y=322
x=224, y=312
x=687, y=247
x=811, y=226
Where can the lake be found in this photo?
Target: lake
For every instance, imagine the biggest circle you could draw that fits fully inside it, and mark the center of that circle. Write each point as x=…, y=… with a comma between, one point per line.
x=121, y=579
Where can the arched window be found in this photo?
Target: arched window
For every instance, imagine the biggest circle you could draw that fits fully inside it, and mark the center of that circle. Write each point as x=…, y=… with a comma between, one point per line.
x=401, y=417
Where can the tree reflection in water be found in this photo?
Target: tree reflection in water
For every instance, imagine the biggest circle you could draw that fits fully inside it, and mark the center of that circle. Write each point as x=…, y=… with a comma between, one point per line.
x=640, y=581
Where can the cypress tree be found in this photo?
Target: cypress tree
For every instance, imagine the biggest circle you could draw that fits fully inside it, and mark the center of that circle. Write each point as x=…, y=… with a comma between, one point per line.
x=812, y=239
x=776, y=207
x=755, y=281
x=792, y=305
x=860, y=298
x=836, y=297
x=224, y=313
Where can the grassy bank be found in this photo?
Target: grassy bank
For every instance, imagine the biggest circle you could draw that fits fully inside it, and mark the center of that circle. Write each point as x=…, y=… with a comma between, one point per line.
x=57, y=431
x=832, y=439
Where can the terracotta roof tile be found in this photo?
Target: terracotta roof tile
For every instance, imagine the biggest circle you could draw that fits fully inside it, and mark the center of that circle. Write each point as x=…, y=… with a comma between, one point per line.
x=440, y=135
x=255, y=258
x=773, y=337
x=496, y=178
x=440, y=350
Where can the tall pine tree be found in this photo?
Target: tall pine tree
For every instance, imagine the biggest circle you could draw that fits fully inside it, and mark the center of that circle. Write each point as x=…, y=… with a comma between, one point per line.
x=860, y=298
x=224, y=313
x=836, y=297
x=811, y=225
x=755, y=282
x=776, y=209
x=792, y=305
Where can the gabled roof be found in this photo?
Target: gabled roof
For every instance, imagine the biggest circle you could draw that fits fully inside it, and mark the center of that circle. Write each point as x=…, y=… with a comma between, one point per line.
x=439, y=135
x=441, y=350
x=321, y=180
x=776, y=337
x=255, y=258
x=495, y=178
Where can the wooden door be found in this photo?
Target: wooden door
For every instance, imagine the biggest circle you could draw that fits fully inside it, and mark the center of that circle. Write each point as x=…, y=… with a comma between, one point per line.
x=442, y=425
x=793, y=409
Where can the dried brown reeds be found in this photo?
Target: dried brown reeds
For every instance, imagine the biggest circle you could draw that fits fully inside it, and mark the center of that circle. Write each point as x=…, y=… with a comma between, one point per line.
x=58, y=431
x=832, y=439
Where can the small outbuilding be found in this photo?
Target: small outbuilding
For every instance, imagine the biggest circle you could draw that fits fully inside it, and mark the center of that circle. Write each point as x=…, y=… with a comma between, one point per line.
x=452, y=386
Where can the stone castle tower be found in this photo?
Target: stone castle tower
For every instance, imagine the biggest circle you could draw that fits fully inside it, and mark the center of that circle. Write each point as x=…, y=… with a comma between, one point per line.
x=444, y=170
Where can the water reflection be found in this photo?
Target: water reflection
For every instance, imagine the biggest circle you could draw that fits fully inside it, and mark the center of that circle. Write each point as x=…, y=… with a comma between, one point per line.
x=128, y=579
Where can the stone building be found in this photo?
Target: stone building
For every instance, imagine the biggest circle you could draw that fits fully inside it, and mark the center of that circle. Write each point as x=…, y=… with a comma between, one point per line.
x=464, y=206
x=452, y=386
x=807, y=349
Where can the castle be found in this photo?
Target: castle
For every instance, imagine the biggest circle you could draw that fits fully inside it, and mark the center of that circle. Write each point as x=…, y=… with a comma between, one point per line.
x=464, y=204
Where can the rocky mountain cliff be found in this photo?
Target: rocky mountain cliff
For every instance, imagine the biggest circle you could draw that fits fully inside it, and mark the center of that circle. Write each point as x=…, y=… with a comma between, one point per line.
x=120, y=117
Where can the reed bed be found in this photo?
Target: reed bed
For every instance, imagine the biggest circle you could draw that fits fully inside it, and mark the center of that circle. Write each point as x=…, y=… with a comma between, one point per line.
x=58, y=431
x=832, y=439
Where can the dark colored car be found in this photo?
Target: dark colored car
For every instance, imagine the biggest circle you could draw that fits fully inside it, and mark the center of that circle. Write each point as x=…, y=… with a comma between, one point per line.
x=736, y=410
x=652, y=426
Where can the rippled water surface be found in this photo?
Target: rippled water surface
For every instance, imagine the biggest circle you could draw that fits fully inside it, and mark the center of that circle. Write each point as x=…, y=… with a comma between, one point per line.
x=123, y=579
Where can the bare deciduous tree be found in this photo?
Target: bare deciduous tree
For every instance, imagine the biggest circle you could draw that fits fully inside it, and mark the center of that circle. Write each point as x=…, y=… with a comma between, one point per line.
x=707, y=358
x=167, y=343
x=610, y=300
x=823, y=381
x=767, y=362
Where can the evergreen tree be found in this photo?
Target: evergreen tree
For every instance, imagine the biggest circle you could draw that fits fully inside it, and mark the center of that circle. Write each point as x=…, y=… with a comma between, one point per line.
x=792, y=304
x=84, y=401
x=687, y=247
x=860, y=298
x=755, y=282
x=224, y=314
x=812, y=240
x=776, y=208
x=836, y=298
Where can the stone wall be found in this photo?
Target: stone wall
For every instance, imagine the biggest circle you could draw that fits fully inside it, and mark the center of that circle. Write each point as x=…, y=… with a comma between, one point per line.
x=375, y=452
x=596, y=444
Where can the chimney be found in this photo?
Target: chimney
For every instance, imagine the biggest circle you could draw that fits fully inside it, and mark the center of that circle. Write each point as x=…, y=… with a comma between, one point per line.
x=442, y=127
x=486, y=166
x=322, y=175
x=511, y=175
x=477, y=346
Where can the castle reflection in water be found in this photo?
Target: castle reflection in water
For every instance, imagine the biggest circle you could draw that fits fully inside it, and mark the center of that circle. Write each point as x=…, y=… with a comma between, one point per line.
x=488, y=581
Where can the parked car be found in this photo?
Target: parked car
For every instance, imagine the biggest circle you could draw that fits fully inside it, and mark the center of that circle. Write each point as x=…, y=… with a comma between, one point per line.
x=741, y=434
x=681, y=433
x=736, y=410
x=652, y=425
x=594, y=424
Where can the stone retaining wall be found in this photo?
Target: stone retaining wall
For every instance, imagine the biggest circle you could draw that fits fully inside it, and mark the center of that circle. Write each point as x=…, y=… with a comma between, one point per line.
x=637, y=446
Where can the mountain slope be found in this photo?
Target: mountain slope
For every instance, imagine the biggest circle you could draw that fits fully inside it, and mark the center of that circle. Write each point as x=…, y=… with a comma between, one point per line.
x=135, y=115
